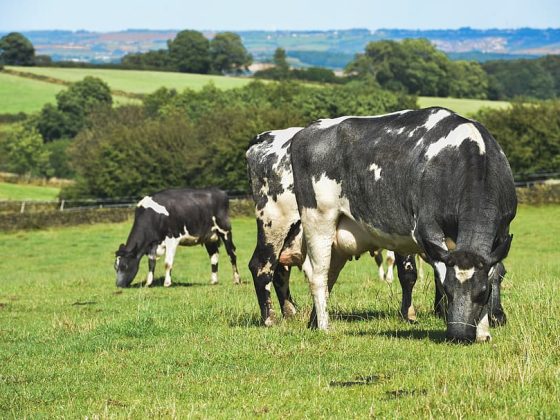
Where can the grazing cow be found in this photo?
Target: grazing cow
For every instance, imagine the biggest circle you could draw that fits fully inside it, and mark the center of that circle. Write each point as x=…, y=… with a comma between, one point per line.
x=426, y=181
x=279, y=234
x=171, y=218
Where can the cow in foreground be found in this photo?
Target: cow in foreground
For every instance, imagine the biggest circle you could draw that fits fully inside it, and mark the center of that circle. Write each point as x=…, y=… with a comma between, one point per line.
x=426, y=181
x=279, y=234
x=171, y=218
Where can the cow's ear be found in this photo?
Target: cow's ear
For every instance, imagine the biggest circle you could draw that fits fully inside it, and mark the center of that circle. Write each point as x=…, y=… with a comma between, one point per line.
x=436, y=252
x=500, y=252
x=121, y=251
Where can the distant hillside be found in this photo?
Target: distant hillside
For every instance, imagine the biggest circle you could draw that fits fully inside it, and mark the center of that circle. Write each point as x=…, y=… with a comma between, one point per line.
x=331, y=49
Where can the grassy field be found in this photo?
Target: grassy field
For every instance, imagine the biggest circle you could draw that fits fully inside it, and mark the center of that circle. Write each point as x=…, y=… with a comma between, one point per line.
x=461, y=106
x=9, y=191
x=18, y=94
x=137, y=81
x=73, y=345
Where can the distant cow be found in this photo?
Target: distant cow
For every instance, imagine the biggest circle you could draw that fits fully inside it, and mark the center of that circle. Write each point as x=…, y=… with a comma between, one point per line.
x=279, y=235
x=171, y=218
x=426, y=181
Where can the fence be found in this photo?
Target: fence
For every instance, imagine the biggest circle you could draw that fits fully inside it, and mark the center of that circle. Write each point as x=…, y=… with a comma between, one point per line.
x=31, y=214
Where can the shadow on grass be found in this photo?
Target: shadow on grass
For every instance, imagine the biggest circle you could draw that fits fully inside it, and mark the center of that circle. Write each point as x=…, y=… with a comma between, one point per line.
x=436, y=336
x=159, y=283
x=362, y=315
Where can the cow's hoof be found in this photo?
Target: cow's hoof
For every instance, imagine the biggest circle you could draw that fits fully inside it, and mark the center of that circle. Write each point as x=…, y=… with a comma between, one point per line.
x=213, y=282
x=289, y=309
x=167, y=284
x=269, y=322
x=236, y=279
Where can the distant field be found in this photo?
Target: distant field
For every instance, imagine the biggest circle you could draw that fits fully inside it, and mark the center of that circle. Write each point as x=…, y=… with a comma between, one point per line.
x=10, y=191
x=137, y=81
x=461, y=106
x=18, y=94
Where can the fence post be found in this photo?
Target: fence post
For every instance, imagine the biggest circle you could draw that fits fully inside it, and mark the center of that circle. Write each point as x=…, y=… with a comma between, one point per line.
x=22, y=207
x=62, y=205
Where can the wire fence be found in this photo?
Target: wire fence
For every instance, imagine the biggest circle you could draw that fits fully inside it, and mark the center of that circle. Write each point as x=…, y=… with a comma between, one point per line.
x=72, y=205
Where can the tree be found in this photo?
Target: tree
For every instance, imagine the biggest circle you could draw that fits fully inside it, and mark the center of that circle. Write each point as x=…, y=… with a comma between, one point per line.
x=467, y=80
x=189, y=52
x=25, y=152
x=412, y=65
x=73, y=106
x=227, y=54
x=16, y=50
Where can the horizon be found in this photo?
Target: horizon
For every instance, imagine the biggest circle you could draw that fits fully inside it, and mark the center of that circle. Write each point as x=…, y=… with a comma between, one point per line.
x=282, y=29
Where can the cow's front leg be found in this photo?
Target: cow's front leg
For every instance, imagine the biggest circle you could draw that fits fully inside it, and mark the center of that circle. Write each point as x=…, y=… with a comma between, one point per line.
x=406, y=269
x=170, y=249
x=213, y=253
x=440, y=300
x=153, y=253
x=378, y=256
x=262, y=266
x=227, y=239
x=496, y=311
x=282, y=286
x=337, y=264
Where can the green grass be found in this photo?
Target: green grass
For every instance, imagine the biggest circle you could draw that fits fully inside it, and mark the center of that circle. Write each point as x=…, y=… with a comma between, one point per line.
x=73, y=345
x=461, y=106
x=9, y=191
x=18, y=94
x=137, y=81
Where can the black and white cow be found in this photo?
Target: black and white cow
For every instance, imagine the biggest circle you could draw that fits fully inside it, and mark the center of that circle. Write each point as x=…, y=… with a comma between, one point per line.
x=426, y=181
x=171, y=218
x=279, y=235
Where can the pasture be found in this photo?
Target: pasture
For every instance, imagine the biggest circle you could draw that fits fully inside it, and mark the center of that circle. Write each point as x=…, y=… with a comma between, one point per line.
x=462, y=106
x=18, y=94
x=9, y=191
x=138, y=81
x=73, y=345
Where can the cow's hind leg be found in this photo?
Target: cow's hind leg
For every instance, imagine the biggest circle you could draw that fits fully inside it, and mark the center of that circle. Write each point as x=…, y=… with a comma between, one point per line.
x=224, y=232
x=263, y=265
x=282, y=286
x=406, y=269
x=497, y=314
x=213, y=253
x=378, y=256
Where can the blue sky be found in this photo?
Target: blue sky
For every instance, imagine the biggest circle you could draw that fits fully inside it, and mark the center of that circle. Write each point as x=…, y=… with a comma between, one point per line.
x=106, y=15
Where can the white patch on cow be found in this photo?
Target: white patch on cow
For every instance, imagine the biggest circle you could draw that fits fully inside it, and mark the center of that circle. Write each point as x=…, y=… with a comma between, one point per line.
x=160, y=251
x=329, y=122
x=213, y=278
x=268, y=286
x=491, y=272
x=267, y=269
x=214, y=259
x=463, y=274
x=399, y=131
x=455, y=138
x=215, y=227
x=376, y=171
x=148, y=203
x=186, y=238
x=483, y=330
x=390, y=264
x=435, y=118
x=441, y=269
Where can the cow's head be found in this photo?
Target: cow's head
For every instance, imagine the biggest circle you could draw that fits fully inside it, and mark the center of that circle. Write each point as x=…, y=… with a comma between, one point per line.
x=126, y=265
x=465, y=278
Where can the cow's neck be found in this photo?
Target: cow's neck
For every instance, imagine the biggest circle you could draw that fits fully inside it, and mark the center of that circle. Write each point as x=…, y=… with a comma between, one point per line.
x=137, y=242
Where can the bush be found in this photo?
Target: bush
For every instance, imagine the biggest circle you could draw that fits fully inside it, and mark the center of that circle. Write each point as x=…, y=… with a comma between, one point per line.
x=529, y=133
